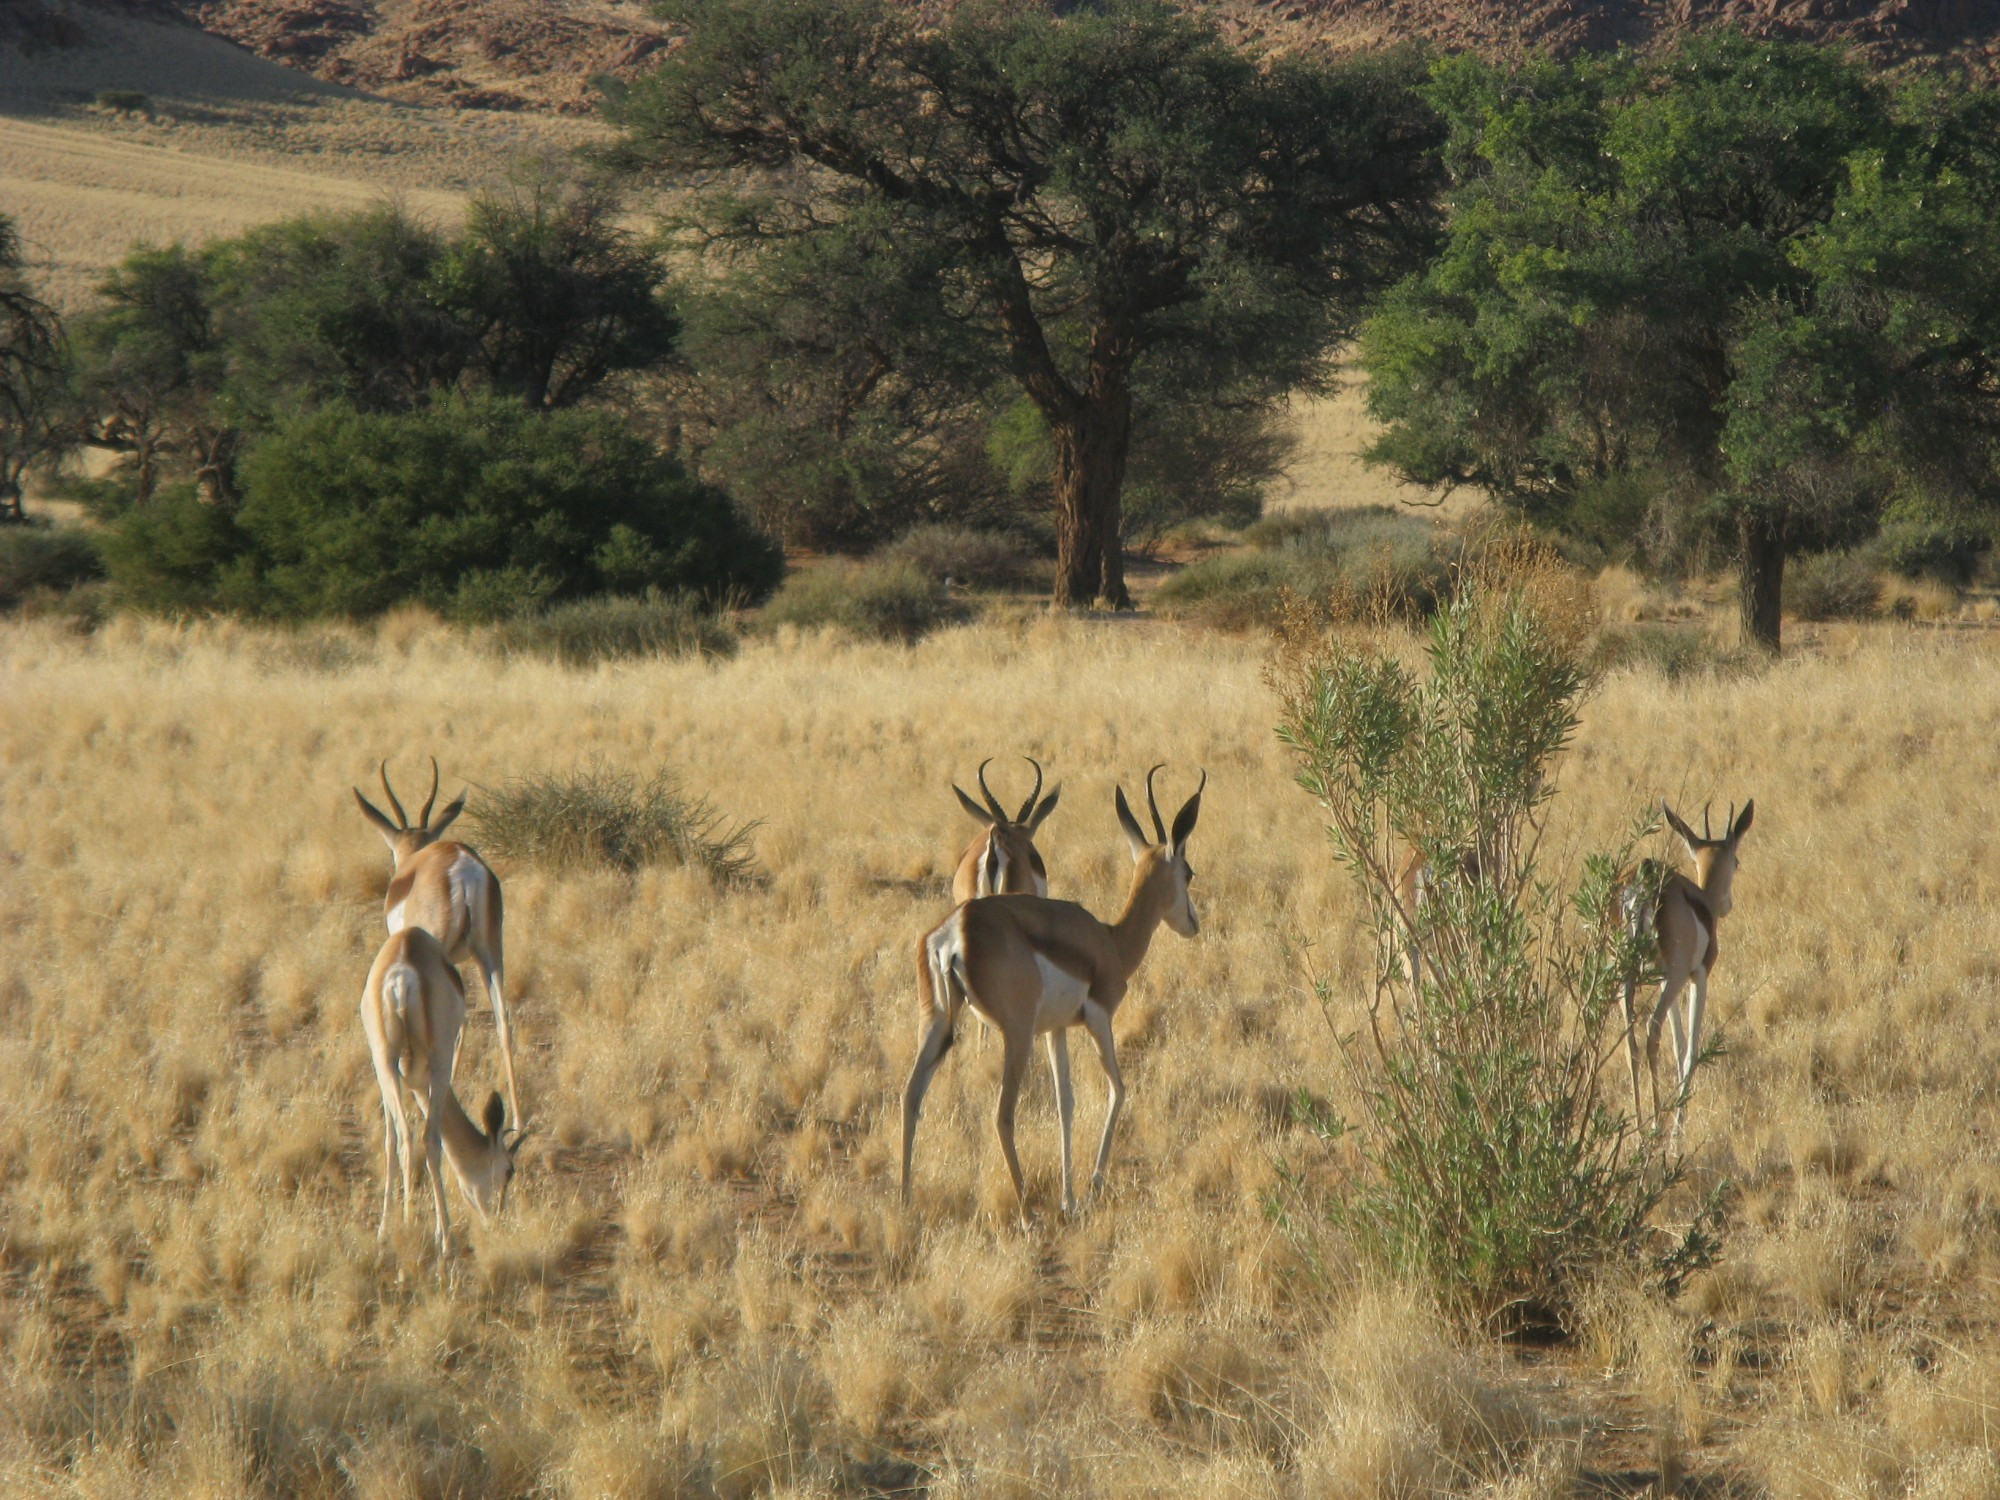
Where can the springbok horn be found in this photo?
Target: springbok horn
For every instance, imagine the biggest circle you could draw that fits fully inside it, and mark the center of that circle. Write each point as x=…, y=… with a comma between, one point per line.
x=402, y=818
x=424, y=818
x=1028, y=807
x=1706, y=836
x=1159, y=825
x=993, y=802
x=1730, y=827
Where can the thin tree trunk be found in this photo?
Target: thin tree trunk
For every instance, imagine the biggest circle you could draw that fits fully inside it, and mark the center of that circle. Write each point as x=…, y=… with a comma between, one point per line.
x=1761, y=583
x=1089, y=476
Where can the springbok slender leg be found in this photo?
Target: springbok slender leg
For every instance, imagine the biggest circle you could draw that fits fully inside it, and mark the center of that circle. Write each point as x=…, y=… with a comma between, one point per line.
x=1098, y=1023
x=1019, y=1043
x=1058, y=1043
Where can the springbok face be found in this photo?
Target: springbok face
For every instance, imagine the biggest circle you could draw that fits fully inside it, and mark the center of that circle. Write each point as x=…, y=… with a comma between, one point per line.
x=1008, y=861
x=1714, y=858
x=485, y=1181
x=1163, y=860
x=403, y=837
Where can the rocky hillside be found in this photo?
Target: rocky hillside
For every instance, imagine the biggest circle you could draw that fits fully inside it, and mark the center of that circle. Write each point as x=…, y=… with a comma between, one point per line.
x=542, y=54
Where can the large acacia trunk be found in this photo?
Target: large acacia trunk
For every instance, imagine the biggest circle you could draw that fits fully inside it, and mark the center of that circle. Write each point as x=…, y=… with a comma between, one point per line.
x=1091, y=444
x=1761, y=584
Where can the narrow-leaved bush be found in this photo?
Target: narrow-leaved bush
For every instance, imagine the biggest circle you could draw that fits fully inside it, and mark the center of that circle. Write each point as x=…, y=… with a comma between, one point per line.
x=602, y=816
x=1503, y=1159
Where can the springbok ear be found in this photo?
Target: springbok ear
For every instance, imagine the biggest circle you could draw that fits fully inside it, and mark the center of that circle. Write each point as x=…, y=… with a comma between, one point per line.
x=375, y=815
x=1742, y=824
x=1134, y=834
x=1048, y=806
x=452, y=810
x=496, y=1115
x=1184, y=820
x=1674, y=822
x=978, y=812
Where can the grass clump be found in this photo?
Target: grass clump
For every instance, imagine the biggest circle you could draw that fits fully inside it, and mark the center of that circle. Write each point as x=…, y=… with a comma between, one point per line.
x=965, y=554
x=1676, y=651
x=48, y=558
x=1505, y=1168
x=619, y=629
x=125, y=101
x=600, y=816
x=1371, y=561
x=1832, y=586
x=880, y=601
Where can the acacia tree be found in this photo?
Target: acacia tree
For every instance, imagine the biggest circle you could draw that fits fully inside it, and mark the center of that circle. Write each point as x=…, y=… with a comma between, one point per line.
x=1628, y=285
x=32, y=408
x=1098, y=191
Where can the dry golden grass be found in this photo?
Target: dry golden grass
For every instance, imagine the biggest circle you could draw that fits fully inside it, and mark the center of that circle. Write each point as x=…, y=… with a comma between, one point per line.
x=704, y=1282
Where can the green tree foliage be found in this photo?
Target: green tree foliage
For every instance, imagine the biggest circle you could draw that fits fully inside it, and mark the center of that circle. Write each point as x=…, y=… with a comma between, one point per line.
x=475, y=505
x=151, y=372
x=188, y=355
x=1086, y=197
x=1669, y=299
x=1489, y=1076
x=33, y=411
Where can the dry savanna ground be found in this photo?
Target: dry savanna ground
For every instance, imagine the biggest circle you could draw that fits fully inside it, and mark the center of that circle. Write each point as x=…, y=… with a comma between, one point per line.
x=226, y=141
x=705, y=1283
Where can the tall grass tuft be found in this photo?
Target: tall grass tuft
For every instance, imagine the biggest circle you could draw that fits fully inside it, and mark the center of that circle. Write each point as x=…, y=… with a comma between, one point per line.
x=589, y=631
x=1488, y=1066
x=882, y=601
x=1372, y=562
x=607, y=817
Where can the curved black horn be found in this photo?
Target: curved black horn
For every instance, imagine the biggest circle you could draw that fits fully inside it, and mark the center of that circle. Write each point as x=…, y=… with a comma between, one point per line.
x=1159, y=824
x=1028, y=808
x=1706, y=836
x=424, y=818
x=993, y=802
x=402, y=818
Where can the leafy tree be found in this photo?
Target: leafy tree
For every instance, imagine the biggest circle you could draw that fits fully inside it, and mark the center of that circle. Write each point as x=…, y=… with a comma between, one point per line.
x=1090, y=194
x=151, y=369
x=32, y=412
x=566, y=296
x=1659, y=303
x=473, y=505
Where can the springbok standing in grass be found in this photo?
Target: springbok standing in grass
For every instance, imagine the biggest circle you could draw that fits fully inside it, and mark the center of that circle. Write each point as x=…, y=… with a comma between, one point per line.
x=447, y=890
x=1003, y=861
x=1682, y=924
x=1029, y=967
x=413, y=1009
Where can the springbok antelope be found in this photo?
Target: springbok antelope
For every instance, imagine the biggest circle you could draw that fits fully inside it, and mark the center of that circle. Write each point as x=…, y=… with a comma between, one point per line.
x=1682, y=924
x=448, y=891
x=1003, y=861
x=1029, y=967
x=413, y=1009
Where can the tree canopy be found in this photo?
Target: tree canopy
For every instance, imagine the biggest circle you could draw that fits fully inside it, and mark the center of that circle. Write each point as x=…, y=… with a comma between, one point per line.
x=1691, y=294
x=1081, y=198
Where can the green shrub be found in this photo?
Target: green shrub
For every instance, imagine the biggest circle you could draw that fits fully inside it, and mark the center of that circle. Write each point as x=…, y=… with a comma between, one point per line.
x=1832, y=586
x=45, y=557
x=477, y=507
x=1504, y=1164
x=989, y=559
x=603, y=817
x=1948, y=551
x=883, y=601
x=1373, y=560
x=615, y=629
x=1674, y=651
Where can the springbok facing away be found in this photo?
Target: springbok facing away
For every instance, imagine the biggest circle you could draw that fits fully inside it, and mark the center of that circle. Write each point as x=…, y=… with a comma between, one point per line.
x=413, y=1009
x=1003, y=861
x=1029, y=967
x=447, y=890
x=1683, y=926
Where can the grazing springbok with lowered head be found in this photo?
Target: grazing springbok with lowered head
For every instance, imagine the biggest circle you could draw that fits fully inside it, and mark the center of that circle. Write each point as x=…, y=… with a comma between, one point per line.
x=413, y=1009
x=1003, y=860
x=1030, y=967
x=445, y=888
x=1682, y=924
